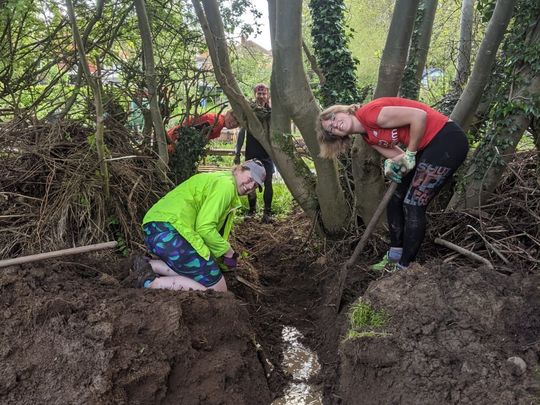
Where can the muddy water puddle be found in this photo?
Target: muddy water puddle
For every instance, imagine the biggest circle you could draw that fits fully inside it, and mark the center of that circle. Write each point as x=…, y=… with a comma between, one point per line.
x=301, y=364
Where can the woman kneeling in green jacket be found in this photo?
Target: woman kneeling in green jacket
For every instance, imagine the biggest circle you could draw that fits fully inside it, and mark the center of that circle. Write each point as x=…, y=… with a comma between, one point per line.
x=188, y=228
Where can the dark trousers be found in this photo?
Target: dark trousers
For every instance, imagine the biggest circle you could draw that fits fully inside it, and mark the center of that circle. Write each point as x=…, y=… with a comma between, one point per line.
x=268, y=193
x=407, y=208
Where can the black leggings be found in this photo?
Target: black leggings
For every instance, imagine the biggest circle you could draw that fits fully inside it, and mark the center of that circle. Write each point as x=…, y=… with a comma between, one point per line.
x=435, y=164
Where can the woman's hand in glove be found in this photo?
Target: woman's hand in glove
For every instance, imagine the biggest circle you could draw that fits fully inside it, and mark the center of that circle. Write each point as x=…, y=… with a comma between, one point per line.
x=392, y=170
x=231, y=262
x=407, y=161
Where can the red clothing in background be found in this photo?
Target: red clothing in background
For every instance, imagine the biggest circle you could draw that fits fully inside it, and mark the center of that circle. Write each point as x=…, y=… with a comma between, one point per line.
x=216, y=121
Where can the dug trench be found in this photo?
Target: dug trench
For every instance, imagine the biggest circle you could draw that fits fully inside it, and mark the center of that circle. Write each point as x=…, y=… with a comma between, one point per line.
x=72, y=332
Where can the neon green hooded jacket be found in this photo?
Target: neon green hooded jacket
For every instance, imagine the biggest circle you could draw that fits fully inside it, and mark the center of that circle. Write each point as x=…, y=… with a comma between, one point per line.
x=199, y=208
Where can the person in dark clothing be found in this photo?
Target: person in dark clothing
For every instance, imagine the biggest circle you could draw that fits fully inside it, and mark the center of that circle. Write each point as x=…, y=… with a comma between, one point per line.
x=254, y=150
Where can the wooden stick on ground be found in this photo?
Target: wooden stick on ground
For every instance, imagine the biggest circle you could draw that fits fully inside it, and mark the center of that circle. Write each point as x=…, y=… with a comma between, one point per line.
x=251, y=285
x=464, y=252
x=58, y=253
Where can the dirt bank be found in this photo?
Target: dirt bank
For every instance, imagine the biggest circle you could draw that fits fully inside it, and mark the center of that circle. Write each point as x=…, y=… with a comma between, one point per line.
x=71, y=333
x=450, y=336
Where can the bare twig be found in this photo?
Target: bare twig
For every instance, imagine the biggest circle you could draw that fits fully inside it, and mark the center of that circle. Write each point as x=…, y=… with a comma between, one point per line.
x=489, y=245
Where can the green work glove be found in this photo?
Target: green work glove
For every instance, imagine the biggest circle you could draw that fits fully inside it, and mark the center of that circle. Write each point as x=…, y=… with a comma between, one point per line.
x=408, y=161
x=392, y=170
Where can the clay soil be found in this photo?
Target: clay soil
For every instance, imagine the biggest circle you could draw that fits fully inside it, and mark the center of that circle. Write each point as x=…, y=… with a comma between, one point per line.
x=72, y=332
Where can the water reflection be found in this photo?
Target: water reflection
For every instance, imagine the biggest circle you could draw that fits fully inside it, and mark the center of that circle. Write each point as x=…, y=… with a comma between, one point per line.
x=300, y=364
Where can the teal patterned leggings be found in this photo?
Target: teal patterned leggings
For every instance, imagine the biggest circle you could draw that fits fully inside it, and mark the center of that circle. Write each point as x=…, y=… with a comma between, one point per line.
x=164, y=241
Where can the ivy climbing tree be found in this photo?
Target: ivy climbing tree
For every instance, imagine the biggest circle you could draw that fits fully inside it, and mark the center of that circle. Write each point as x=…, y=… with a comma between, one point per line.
x=418, y=49
x=331, y=48
x=515, y=108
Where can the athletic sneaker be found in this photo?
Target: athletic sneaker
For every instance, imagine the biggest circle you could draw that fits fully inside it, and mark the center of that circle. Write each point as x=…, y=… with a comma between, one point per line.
x=392, y=267
x=141, y=271
x=383, y=264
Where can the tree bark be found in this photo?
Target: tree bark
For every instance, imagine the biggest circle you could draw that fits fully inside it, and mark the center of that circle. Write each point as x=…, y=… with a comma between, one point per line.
x=94, y=84
x=291, y=88
x=369, y=182
x=418, y=49
x=395, y=51
x=151, y=84
x=467, y=104
x=489, y=160
x=465, y=45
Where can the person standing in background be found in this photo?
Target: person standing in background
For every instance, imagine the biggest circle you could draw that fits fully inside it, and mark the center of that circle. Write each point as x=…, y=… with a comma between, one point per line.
x=254, y=150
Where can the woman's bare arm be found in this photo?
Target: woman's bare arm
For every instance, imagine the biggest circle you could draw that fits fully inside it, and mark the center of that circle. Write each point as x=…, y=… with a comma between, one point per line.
x=394, y=117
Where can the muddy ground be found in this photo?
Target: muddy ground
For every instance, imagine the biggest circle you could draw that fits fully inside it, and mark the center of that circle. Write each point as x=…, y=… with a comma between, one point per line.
x=72, y=333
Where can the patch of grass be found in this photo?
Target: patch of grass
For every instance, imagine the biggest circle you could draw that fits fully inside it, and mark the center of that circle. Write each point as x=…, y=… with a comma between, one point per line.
x=365, y=320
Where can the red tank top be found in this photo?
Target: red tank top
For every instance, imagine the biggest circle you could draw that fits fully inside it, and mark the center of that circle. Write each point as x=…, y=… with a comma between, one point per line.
x=390, y=137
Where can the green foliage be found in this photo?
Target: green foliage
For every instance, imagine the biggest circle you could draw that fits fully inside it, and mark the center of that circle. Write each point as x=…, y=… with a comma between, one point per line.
x=251, y=66
x=38, y=59
x=189, y=150
x=485, y=9
x=370, y=19
x=330, y=44
x=364, y=320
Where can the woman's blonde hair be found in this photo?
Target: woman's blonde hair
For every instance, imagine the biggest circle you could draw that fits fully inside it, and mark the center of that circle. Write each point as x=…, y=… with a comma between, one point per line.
x=330, y=144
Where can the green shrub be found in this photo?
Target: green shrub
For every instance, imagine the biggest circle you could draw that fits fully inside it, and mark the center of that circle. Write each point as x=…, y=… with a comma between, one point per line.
x=189, y=150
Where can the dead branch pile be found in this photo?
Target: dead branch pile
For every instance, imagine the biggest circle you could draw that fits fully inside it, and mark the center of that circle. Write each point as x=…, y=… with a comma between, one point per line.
x=505, y=230
x=51, y=194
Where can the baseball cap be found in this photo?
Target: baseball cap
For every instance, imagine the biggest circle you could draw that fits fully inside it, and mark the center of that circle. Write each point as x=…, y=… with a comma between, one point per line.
x=258, y=173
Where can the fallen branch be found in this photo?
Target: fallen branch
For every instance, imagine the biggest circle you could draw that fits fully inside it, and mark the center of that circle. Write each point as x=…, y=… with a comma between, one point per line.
x=57, y=253
x=463, y=251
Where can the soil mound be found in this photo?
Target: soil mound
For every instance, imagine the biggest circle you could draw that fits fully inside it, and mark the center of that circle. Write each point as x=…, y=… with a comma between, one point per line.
x=455, y=336
x=71, y=336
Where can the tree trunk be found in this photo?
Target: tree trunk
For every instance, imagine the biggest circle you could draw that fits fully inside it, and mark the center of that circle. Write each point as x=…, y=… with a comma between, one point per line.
x=395, y=51
x=418, y=50
x=94, y=84
x=470, y=98
x=516, y=111
x=330, y=43
x=489, y=161
x=465, y=45
x=290, y=87
x=369, y=182
x=151, y=84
